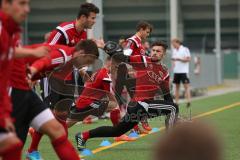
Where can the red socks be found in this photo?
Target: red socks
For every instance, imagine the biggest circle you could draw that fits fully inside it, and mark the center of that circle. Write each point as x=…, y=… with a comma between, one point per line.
x=64, y=149
x=13, y=152
x=115, y=116
x=85, y=135
x=36, y=137
x=136, y=128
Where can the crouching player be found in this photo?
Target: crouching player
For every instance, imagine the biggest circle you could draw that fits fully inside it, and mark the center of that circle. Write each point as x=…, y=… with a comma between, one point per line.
x=96, y=98
x=153, y=78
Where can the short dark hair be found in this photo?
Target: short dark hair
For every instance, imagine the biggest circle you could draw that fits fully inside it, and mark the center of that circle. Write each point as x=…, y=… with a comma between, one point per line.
x=144, y=25
x=88, y=46
x=160, y=43
x=86, y=8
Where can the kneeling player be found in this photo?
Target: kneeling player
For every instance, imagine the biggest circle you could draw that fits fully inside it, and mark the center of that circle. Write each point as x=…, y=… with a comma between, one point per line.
x=91, y=101
x=153, y=77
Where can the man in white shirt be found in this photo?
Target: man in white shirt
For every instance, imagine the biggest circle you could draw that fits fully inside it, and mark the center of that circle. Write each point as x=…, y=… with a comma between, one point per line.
x=181, y=58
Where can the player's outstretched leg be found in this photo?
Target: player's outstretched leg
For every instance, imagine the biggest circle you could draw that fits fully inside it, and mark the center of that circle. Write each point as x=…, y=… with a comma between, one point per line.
x=131, y=119
x=56, y=133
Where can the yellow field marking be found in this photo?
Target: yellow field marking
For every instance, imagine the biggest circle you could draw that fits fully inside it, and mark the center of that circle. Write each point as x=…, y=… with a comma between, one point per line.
x=162, y=128
x=104, y=148
x=217, y=110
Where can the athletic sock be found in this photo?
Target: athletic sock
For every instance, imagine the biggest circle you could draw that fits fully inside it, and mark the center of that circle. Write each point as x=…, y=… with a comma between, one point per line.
x=64, y=149
x=36, y=137
x=136, y=128
x=85, y=135
x=115, y=116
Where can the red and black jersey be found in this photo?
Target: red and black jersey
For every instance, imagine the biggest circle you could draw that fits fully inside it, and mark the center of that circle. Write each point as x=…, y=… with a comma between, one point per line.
x=58, y=55
x=8, y=30
x=66, y=34
x=134, y=46
x=151, y=77
x=95, y=89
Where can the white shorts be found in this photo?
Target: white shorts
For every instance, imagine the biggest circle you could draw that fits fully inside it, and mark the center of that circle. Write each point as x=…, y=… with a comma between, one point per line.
x=41, y=119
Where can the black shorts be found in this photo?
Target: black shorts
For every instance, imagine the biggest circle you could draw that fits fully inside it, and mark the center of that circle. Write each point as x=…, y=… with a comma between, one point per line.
x=96, y=108
x=4, y=134
x=26, y=106
x=3, y=130
x=53, y=97
x=181, y=78
x=137, y=111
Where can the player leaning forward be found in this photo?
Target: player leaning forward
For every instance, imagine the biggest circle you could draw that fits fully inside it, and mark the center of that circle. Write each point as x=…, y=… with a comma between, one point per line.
x=29, y=110
x=152, y=79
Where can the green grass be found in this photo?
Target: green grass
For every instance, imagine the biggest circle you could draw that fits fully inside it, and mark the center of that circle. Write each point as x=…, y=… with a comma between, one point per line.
x=227, y=122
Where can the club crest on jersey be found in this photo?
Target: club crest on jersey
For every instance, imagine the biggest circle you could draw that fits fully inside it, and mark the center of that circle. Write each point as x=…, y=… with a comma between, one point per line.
x=157, y=78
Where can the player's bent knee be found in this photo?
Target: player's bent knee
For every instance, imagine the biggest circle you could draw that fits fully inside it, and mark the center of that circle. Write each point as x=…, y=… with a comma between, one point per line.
x=53, y=129
x=8, y=140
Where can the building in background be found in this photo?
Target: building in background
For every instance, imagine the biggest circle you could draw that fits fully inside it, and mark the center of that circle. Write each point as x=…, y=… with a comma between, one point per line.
x=196, y=23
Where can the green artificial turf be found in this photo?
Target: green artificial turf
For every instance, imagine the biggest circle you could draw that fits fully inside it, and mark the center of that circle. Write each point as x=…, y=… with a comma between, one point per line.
x=227, y=123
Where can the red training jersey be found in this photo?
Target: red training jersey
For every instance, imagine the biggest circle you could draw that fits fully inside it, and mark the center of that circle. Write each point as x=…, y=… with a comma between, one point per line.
x=66, y=34
x=151, y=77
x=58, y=55
x=95, y=89
x=8, y=31
x=134, y=46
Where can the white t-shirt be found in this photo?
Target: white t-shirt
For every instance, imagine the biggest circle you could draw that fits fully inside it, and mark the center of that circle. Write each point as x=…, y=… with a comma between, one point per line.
x=181, y=67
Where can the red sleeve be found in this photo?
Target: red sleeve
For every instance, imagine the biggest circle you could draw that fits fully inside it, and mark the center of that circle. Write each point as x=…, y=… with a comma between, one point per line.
x=56, y=37
x=5, y=66
x=130, y=44
x=47, y=63
x=139, y=59
x=5, y=107
x=30, y=60
x=129, y=47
